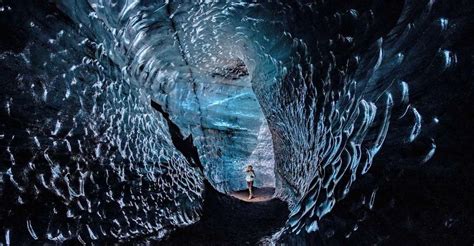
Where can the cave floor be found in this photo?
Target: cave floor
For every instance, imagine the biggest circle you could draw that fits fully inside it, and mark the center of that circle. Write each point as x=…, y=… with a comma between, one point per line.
x=259, y=194
x=228, y=220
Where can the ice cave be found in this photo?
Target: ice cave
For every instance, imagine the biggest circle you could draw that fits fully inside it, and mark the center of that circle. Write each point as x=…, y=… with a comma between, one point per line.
x=134, y=122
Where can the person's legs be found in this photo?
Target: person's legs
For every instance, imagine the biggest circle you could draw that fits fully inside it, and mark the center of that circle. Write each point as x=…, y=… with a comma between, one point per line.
x=250, y=185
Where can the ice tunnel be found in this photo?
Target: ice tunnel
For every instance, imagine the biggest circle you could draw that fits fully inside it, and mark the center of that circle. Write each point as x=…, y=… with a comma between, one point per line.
x=206, y=89
x=131, y=121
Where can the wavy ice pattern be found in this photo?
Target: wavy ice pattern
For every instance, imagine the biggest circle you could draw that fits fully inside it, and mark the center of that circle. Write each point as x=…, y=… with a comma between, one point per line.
x=88, y=158
x=326, y=83
x=169, y=51
x=330, y=102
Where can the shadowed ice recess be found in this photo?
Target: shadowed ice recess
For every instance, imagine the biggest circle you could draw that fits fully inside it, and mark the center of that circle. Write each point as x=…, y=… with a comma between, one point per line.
x=307, y=92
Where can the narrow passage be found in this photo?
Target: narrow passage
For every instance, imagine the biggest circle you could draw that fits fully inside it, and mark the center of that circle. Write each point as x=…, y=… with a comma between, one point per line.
x=228, y=220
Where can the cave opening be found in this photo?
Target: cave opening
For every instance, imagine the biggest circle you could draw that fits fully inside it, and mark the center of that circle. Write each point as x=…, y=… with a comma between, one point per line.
x=203, y=81
x=230, y=132
x=240, y=124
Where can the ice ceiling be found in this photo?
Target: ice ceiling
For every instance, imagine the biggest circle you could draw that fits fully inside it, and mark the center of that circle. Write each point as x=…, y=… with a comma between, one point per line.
x=308, y=92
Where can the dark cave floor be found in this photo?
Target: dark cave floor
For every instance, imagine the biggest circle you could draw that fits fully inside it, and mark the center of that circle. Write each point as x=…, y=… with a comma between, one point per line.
x=227, y=220
x=259, y=194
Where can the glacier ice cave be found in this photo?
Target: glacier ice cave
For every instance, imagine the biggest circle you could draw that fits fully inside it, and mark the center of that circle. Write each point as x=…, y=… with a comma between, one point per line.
x=131, y=121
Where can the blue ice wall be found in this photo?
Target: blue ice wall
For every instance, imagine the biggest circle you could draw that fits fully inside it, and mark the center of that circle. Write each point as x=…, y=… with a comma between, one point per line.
x=84, y=156
x=195, y=71
x=309, y=92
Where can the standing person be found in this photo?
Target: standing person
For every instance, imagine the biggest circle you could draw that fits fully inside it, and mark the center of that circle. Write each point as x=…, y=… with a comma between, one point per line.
x=250, y=177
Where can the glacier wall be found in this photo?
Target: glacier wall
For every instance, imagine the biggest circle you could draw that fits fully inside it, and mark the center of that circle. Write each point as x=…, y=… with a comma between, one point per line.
x=324, y=98
x=165, y=50
x=332, y=83
x=84, y=157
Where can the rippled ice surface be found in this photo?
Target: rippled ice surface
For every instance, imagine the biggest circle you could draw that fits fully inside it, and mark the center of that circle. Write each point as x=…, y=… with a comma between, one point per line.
x=310, y=98
x=87, y=157
x=178, y=54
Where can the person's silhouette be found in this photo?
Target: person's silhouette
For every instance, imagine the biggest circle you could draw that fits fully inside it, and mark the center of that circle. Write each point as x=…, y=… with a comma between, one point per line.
x=250, y=177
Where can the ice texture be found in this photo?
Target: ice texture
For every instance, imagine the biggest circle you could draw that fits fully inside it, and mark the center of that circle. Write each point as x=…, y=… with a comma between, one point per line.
x=309, y=92
x=172, y=53
x=84, y=155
